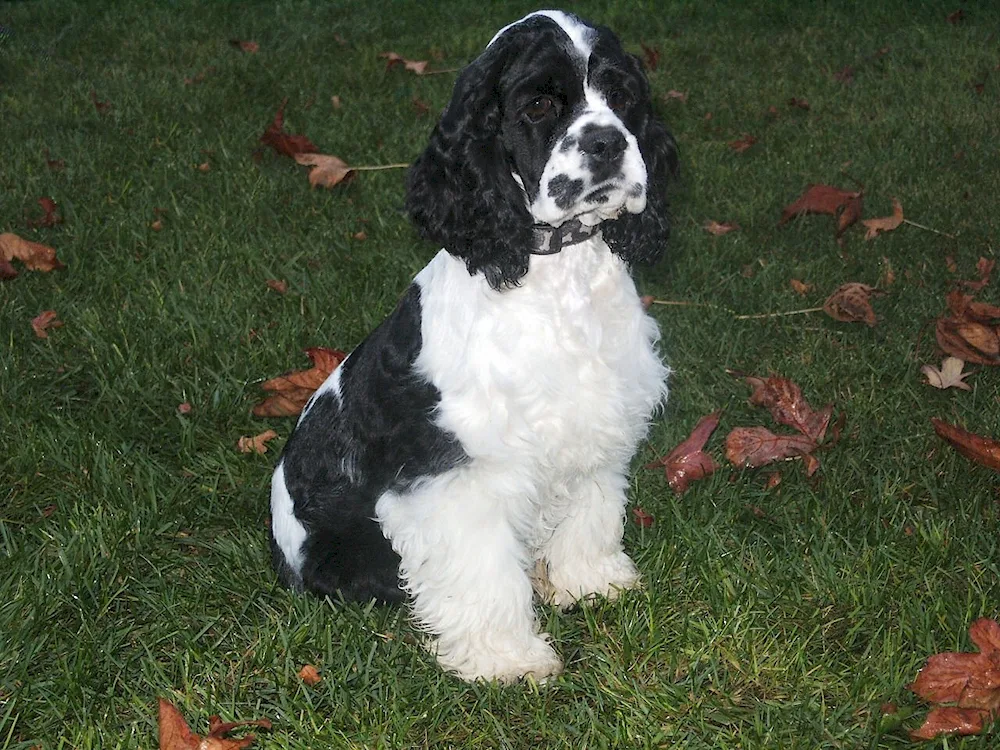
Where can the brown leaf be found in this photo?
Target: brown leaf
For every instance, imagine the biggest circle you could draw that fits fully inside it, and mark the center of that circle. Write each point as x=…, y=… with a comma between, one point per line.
x=310, y=675
x=256, y=444
x=175, y=734
x=818, y=199
x=949, y=376
x=955, y=16
x=278, y=285
x=719, y=228
x=292, y=390
x=687, y=462
x=845, y=74
x=951, y=720
x=49, y=218
x=985, y=268
x=34, y=256
x=327, y=171
x=800, y=103
x=968, y=340
x=784, y=400
x=886, y=223
x=757, y=446
x=980, y=449
x=851, y=303
x=680, y=96
x=249, y=47
x=102, y=107
x=642, y=518
x=43, y=321
x=282, y=142
x=801, y=288
x=849, y=215
x=742, y=143
x=419, y=67
x=651, y=56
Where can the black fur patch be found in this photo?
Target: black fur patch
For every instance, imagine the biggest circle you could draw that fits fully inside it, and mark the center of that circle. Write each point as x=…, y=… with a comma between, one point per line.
x=346, y=452
x=564, y=191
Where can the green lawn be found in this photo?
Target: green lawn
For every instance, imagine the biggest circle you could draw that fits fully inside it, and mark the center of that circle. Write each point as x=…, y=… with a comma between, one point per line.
x=133, y=547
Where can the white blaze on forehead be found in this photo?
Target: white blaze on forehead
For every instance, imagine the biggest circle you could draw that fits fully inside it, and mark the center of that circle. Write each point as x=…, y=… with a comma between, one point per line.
x=579, y=33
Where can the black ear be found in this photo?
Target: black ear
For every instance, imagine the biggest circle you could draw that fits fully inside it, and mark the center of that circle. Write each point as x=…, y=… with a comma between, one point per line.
x=642, y=238
x=461, y=192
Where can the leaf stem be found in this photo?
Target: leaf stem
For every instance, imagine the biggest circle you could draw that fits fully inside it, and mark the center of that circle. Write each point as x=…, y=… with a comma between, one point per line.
x=929, y=229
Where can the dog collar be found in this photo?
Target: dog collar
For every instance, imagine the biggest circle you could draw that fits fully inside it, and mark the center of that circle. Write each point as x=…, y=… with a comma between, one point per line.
x=554, y=239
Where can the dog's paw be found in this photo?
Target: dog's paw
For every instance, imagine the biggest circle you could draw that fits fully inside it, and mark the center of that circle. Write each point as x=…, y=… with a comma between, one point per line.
x=504, y=661
x=606, y=577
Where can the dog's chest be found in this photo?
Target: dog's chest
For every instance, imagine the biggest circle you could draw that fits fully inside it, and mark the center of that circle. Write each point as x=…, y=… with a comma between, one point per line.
x=560, y=371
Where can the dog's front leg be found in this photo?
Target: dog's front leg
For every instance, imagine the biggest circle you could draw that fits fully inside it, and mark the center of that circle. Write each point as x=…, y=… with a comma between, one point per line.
x=583, y=557
x=465, y=570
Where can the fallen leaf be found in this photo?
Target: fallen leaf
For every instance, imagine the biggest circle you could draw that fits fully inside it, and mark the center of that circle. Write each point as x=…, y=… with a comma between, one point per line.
x=249, y=47
x=742, y=143
x=419, y=67
x=800, y=103
x=256, y=444
x=102, y=107
x=651, y=56
x=282, y=142
x=43, y=321
x=980, y=449
x=34, y=256
x=310, y=675
x=175, y=734
x=688, y=461
x=278, y=285
x=851, y=303
x=335, y=102
x=327, y=171
x=968, y=340
x=719, y=228
x=949, y=376
x=818, y=199
x=49, y=218
x=845, y=75
x=886, y=223
x=756, y=446
x=680, y=96
x=784, y=399
x=849, y=214
x=642, y=518
x=292, y=390
x=801, y=288
x=970, y=681
x=956, y=16
x=985, y=268
x=184, y=408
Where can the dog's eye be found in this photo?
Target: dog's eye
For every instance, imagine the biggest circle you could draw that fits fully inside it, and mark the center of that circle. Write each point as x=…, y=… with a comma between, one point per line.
x=539, y=109
x=619, y=99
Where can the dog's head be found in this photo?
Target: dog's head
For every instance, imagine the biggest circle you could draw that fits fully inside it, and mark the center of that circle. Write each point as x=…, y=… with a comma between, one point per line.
x=552, y=122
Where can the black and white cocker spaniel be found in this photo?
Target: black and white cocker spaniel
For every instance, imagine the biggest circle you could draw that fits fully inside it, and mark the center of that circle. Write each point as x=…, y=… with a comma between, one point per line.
x=476, y=445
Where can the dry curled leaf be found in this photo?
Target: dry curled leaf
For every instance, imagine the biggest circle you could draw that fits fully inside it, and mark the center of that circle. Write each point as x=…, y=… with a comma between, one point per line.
x=818, y=199
x=949, y=376
x=291, y=391
x=327, y=171
x=43, y=321
x=719, y=228
x=282, y=142
x=175, y=734
x=310, y=675
x=851, y=303
x=34, y=256
x=886, y=223
x=256, y=444
x=687, y=462
x=982, y=450
x=419, y=67
x=801, y=288
x=784, y=399
x=968, y=340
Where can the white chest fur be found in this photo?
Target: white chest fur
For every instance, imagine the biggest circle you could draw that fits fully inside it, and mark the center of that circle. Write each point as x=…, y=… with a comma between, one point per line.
x=560, y=372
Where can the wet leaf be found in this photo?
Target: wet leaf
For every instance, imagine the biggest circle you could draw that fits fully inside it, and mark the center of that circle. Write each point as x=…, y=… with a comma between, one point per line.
x=757, y=446
x=687, y=462
x=982, y=450
x=950, y=720
x=784, y=399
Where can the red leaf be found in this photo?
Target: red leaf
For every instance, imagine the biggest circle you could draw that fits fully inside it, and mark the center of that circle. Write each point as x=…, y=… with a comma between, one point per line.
x=43, y=321
x=757, y=446
x=50, y=218
x=980, y=449
x=742, y=143
x=784, y=400
x=818, y=199
x=688, y=462
x=951, y=720
x=642, y=518
x=285, y=144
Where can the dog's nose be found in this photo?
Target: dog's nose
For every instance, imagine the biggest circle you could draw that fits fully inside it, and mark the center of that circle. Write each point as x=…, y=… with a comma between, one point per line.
x=605, y=144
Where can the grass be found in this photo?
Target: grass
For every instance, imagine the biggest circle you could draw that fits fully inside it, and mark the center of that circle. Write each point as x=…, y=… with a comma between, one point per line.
x=132, y=537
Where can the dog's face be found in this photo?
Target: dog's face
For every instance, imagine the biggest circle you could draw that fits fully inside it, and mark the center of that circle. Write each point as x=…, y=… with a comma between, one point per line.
x=567, y=102
x=553, y=121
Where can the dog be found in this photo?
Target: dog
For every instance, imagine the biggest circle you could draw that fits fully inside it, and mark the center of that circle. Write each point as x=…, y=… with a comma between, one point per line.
x=476, y=445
